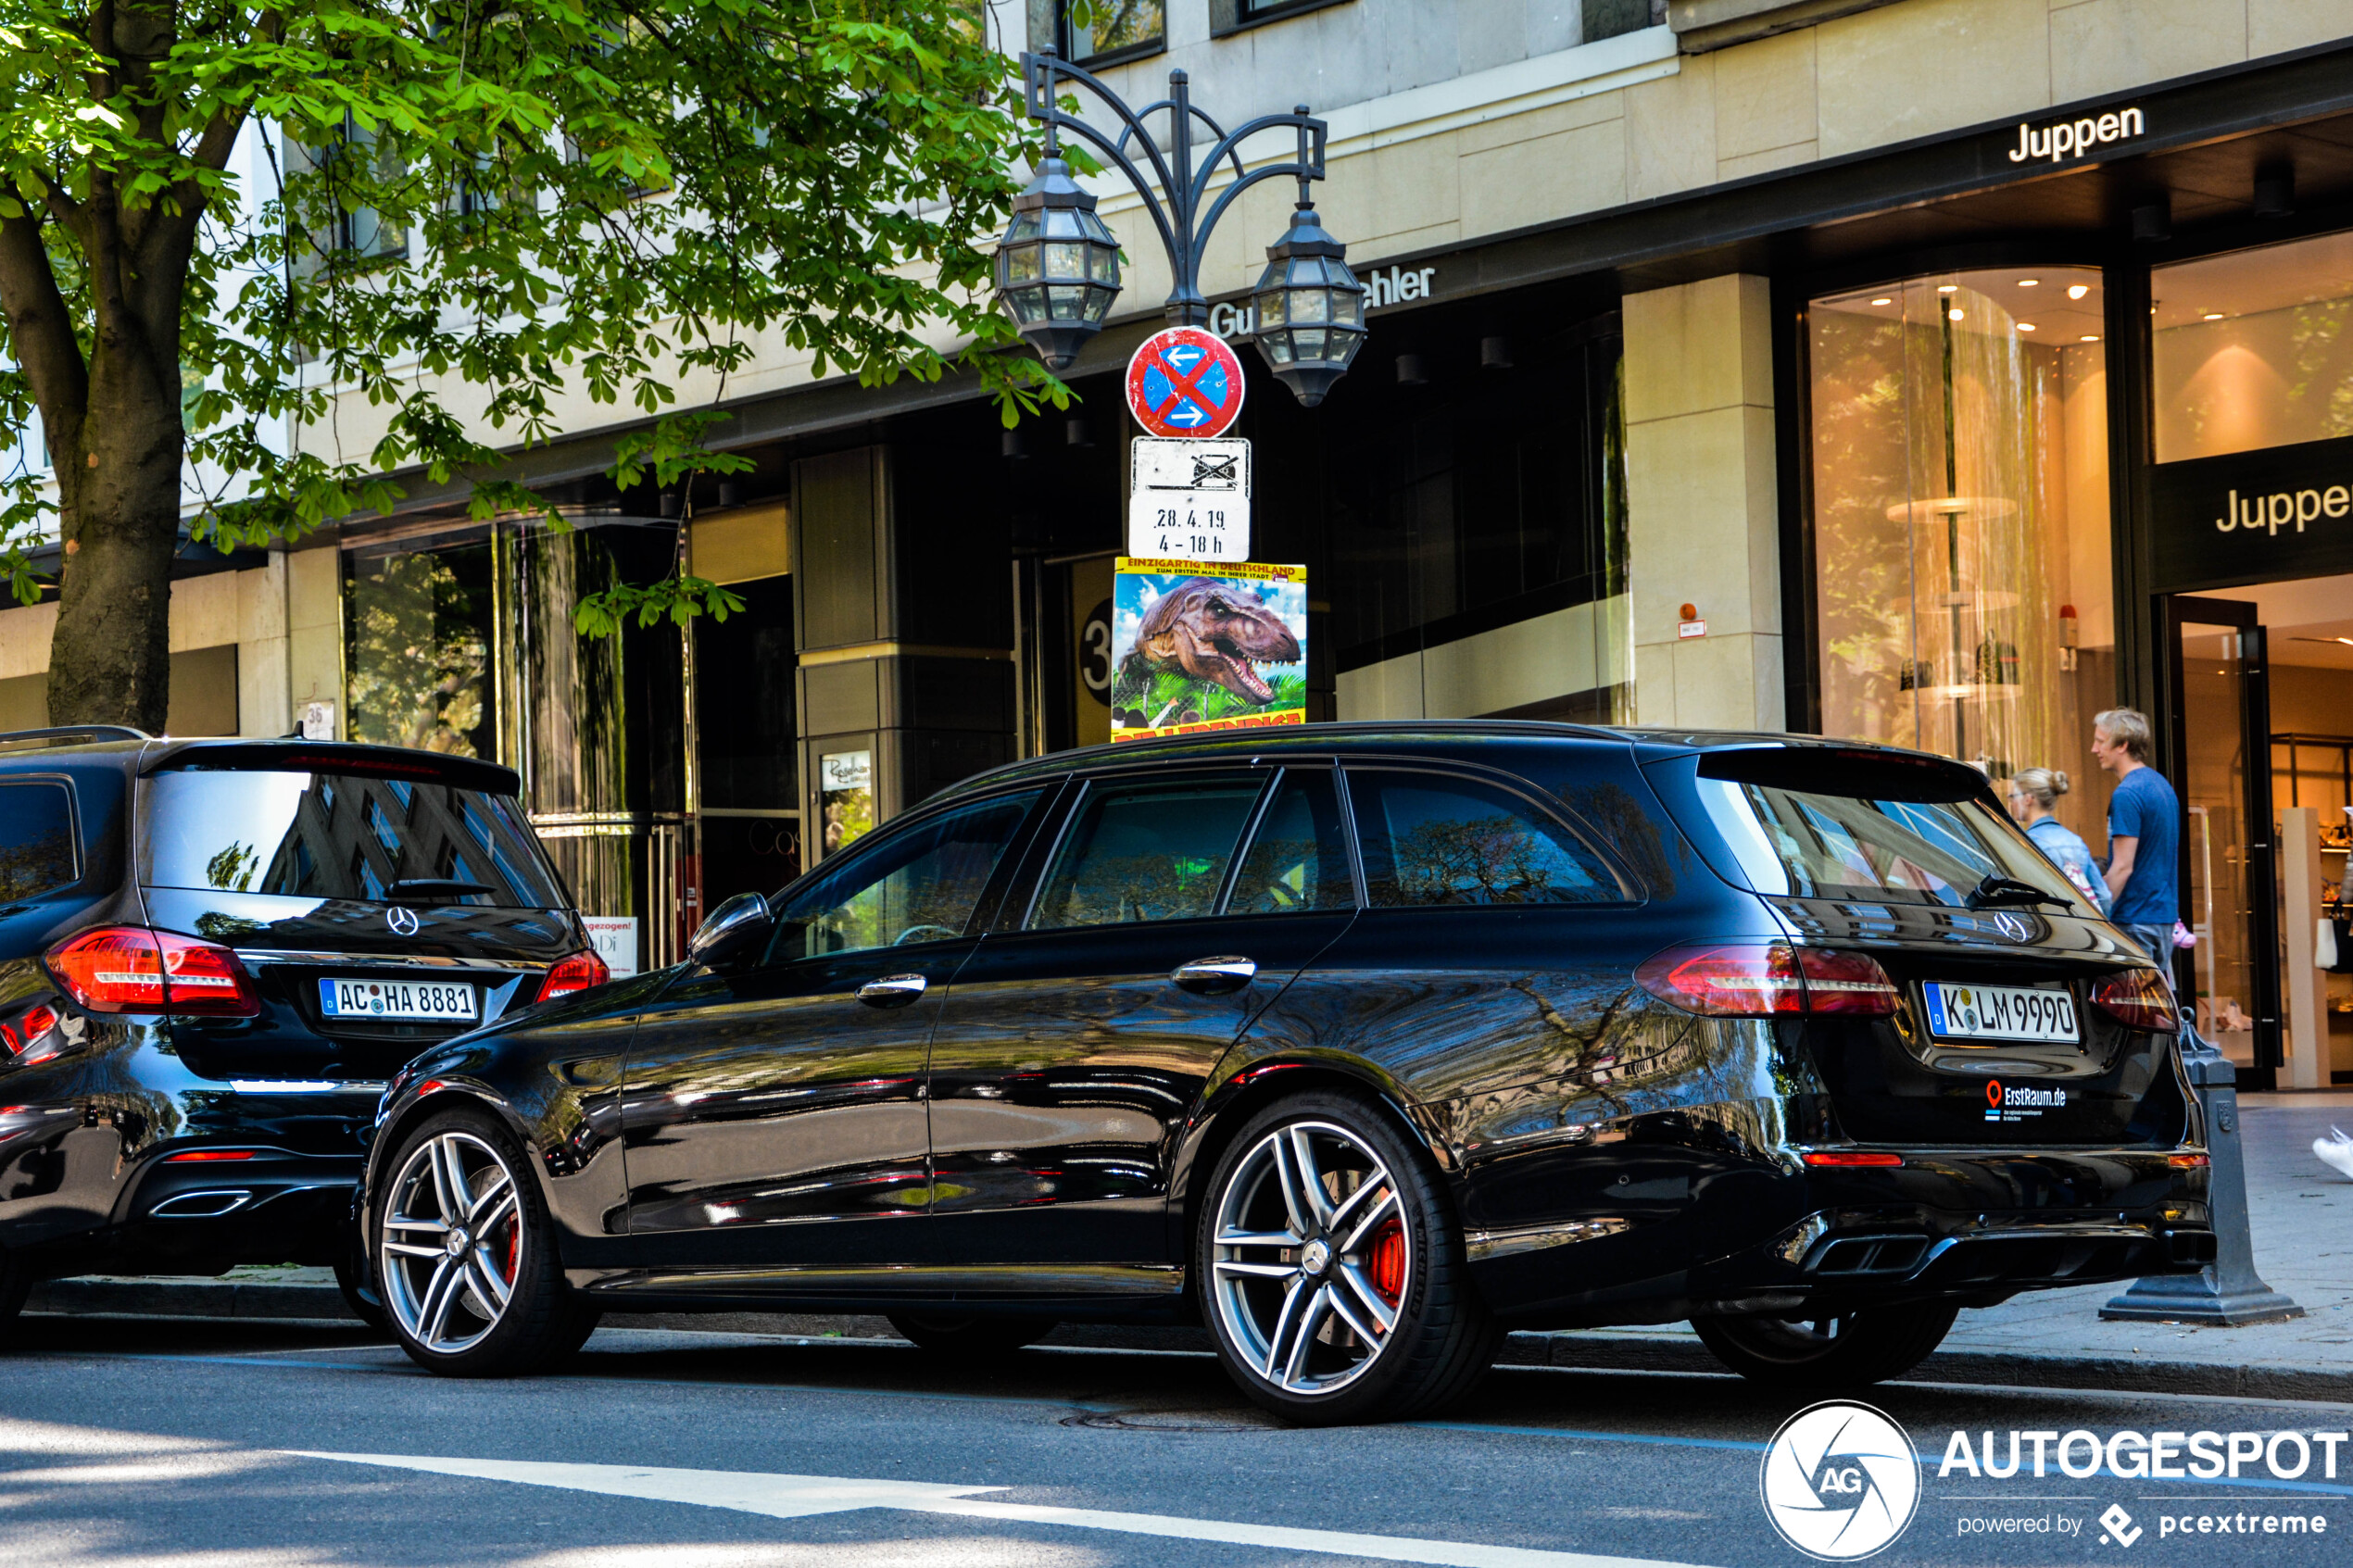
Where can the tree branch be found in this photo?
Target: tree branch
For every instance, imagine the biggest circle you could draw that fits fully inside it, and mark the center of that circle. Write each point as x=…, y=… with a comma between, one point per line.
x=41, y=331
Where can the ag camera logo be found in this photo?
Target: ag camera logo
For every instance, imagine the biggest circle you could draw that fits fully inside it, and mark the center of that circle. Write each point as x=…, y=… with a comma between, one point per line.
x=1840, y=1481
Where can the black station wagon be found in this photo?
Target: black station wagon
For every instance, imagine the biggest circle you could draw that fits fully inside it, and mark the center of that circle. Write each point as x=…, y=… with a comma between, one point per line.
x=1363, y=1045
x=214, y=954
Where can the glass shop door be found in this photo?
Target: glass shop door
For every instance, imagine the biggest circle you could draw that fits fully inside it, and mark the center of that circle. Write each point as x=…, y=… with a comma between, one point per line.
x=2219, y=738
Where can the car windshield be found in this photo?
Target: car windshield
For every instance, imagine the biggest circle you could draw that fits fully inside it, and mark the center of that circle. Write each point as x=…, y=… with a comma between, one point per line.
x=340, y=835
x=1824, y=842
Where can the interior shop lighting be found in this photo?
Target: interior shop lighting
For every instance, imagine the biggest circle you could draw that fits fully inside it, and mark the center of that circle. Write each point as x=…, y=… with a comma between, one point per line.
x=2026, y=326
x=1947, y=288
x=1883, y=300
x=2077, y=291
x=2091, y=337
x=2029, y=282
x=2212, y=316
x=1957, y=314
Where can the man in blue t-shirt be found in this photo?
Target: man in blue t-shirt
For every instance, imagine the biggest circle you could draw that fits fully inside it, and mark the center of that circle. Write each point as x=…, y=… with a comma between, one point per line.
x=2143, y=836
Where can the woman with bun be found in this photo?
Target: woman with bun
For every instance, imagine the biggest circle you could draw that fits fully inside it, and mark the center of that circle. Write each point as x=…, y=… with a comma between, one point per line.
x=2032, y=793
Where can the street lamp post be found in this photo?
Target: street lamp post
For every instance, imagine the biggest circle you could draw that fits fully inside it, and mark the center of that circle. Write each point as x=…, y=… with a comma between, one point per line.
x=1058, y=267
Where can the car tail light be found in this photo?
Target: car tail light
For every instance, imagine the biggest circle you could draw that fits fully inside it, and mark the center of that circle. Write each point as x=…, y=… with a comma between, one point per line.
x=1851, y=1157
x=130, y=969
x=577, y=972
x=2138, y=998
x=193, y=1156
x=1762, y=979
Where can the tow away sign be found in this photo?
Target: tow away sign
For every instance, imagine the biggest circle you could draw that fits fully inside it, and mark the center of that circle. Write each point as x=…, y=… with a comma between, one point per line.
x=1188, y=500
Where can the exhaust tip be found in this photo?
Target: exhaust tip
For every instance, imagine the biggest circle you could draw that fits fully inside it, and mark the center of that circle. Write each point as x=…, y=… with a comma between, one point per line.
x=208, y=1205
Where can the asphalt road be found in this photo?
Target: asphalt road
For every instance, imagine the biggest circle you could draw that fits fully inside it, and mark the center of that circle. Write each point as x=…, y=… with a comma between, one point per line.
x=153, y=1443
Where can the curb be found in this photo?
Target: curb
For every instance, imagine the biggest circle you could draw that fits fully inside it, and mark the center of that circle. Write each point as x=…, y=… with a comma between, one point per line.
x=256, y=1300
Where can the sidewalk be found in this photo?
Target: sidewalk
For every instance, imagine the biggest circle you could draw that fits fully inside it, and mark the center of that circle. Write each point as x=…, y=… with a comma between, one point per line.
x=2302, y=1217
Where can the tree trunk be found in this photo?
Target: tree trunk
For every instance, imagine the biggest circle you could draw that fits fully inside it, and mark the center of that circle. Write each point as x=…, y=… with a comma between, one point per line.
x=120, y=483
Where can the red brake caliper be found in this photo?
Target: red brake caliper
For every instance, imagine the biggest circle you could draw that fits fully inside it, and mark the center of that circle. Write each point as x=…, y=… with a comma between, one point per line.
x=1387, y=1261
x=515, y=1248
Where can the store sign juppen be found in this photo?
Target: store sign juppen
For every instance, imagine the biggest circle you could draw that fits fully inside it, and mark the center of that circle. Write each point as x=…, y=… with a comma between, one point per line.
x=2064, y=139
x=2249, y=517
x=1189, y=500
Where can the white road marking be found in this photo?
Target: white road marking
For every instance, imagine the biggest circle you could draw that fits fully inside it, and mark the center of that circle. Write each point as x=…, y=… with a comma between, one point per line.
x=793, y=1497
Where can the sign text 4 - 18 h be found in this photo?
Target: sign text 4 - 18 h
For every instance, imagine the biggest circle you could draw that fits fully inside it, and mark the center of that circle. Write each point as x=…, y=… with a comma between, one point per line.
x=1188, y=500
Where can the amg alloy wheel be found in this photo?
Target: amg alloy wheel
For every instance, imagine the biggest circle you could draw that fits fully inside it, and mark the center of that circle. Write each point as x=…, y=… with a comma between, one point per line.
x=452, y=1242
x=1333, y=1269
x=1851, y=1350
x=464, y=1262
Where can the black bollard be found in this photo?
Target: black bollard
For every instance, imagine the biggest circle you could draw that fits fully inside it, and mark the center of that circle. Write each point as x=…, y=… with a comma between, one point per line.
x=2227, y=1292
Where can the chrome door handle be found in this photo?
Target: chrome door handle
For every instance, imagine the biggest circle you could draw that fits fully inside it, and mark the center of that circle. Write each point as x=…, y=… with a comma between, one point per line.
x=1213, y=977
x=892, y=990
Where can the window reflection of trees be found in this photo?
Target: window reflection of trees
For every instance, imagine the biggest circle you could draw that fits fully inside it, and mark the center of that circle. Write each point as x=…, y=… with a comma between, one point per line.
x=1497, y=860
x=1153, y=852
x=918, y=886
x=35, y=865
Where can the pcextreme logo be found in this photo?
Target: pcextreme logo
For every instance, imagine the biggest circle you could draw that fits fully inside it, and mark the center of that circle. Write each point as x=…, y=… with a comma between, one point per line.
x=1840, y=1481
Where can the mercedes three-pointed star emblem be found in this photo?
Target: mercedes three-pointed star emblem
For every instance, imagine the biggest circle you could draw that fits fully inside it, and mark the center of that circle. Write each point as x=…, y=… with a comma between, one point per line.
x=403, y=921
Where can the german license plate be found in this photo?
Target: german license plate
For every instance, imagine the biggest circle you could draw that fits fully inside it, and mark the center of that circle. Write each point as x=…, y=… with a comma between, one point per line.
x=2000, y=1012
x=397, y=1001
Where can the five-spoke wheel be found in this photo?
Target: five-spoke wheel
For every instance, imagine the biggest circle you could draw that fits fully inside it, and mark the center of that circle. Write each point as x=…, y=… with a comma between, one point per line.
x=465, y=1263
x=1333, y=1268
x=452, y=1242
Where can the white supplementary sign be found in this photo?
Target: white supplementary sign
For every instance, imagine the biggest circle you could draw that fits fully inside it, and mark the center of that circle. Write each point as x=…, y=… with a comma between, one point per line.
x=615, y=939
x=1188, y=500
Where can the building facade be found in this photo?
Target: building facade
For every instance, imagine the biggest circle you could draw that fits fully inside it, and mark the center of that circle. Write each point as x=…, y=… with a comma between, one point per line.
x=1931, y=372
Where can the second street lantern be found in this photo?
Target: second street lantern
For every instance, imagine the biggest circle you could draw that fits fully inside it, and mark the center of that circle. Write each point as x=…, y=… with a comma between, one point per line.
x=1057, y=267
x=1310, y=307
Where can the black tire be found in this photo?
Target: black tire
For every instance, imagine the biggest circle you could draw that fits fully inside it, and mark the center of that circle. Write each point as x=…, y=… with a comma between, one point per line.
x=15, y=1283
x=540, y=1320
x=1826, y=1354
x=1402, y=1254
x=358, y=1289
x=951, y=1334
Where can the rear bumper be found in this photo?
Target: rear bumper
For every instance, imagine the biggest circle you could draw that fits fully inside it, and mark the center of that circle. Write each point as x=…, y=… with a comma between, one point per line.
x=1968, y=1225
x=277, y=1206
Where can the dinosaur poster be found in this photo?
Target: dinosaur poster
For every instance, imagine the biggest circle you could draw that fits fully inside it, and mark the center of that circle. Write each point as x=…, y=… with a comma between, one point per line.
x=1191, y=652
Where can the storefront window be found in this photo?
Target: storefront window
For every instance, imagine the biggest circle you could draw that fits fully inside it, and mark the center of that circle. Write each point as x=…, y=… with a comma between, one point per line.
x=1961, y=530
x=2254, y=349
x=417, y=648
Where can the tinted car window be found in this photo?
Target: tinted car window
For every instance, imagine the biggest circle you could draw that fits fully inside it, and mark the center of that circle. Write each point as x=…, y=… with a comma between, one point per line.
x=36, y=839
x=1823, y=844
x=336, y=836
x=1141, y=851
x=1298, y=858
x=1433, y=839
x=919, y=885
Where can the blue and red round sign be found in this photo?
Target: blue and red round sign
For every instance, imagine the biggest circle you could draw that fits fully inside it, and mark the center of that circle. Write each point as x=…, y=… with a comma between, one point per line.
x=1185, y=381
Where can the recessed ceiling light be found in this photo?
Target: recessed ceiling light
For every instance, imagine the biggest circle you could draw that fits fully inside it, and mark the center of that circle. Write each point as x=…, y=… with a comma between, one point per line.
x=2026, y=326
x=2077, y=291
x=1883, y=300
x=1957, y=314
x=1946, y=288
x=2091, y=337
x=2213, y=316
x=2028, y=283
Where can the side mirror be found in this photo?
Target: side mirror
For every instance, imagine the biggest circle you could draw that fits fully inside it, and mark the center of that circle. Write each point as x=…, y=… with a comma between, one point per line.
x=737, y=929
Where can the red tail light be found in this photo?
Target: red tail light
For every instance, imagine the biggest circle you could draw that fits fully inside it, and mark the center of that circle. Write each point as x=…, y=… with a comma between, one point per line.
x=130, y=969
x=1760, y=980
x=1851, y=1157
x=2138, y=999
x=207, y=1155
x=574, y=973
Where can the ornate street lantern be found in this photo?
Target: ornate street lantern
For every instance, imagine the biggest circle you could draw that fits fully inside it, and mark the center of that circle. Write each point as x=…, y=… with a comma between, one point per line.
x=1310, y=308
x=1057, y=267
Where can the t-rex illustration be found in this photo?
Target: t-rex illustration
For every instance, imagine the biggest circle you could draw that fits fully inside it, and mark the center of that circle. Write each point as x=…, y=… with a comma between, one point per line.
x=1211, y=633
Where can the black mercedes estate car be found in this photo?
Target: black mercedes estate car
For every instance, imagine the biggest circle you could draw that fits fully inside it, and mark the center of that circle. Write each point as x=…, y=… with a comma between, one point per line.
x=1362, y=1044
x=213, y=956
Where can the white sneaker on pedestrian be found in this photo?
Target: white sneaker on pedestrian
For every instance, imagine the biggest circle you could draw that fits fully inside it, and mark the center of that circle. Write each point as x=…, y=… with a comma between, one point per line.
x=2336, y=1153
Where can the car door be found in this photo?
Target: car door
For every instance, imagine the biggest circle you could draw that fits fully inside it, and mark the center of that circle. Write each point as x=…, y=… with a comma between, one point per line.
x=1492, y=976
x=1077, y=1045
x=763, y=1098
